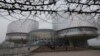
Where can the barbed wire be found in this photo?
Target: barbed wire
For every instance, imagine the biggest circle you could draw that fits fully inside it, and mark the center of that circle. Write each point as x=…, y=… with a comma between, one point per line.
x=49, y=7
x=39, y=5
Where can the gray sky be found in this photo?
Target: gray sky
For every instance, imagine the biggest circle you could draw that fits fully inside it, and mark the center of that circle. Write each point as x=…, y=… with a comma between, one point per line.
x=3, y=28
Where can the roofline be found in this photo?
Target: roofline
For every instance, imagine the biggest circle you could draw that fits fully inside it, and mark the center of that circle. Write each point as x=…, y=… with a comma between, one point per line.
x=79, y=27
x=16, y=33
x=37, y=30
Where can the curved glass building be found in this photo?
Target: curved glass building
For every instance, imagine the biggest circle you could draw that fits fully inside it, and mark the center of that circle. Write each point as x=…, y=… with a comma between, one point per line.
x=81, y=32
x=76, y=30
x=18, y=30
x=42, y=36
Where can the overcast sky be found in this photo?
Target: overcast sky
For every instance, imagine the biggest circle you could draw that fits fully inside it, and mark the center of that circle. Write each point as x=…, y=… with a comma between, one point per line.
x=3, y=28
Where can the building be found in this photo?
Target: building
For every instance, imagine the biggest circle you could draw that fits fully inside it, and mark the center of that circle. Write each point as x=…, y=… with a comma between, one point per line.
x=72, y=33
x=76, y=30
x=42, y=36
x=18, y=30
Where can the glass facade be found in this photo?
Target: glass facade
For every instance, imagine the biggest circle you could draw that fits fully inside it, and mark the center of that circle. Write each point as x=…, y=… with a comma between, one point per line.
x=17, y=37
x=41, y=36
x=78, y=31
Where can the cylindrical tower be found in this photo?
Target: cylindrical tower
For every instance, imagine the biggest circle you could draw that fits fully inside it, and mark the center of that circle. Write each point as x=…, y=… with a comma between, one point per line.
x=18, y=30
x=44, y=35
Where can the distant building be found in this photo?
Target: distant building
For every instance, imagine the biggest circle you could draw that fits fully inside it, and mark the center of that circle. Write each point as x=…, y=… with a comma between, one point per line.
x=71, y=33
x=18, y=30
x=76, y=30
x=42, y=35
